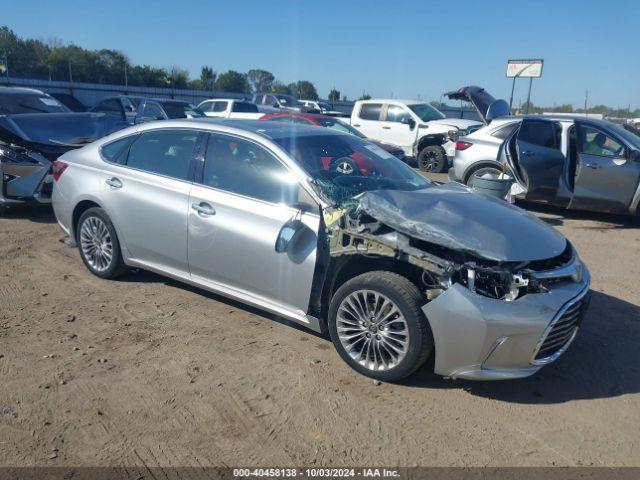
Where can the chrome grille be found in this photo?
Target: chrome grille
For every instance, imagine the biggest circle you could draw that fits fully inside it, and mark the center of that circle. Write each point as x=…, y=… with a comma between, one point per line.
x=561, y=331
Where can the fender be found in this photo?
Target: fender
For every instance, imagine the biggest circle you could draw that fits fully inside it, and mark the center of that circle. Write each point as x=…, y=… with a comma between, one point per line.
x=429, y=139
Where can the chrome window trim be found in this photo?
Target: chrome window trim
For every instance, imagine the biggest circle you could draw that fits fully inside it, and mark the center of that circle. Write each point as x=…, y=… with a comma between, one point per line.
x=142, y=132
x=556, y=318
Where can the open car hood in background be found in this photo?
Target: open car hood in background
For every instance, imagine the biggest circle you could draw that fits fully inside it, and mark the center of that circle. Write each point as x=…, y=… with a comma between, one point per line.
x=453, y=217
x=488, y=107
x=58, y=131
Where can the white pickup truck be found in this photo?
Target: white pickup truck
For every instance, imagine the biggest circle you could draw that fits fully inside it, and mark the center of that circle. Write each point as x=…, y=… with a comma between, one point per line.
x=230, y=108
x=420, y=129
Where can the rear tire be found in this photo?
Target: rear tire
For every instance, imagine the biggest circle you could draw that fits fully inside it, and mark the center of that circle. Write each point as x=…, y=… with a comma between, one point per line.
x=478, y=171
x=377, y=326
x=432, y=159
x=98, y=243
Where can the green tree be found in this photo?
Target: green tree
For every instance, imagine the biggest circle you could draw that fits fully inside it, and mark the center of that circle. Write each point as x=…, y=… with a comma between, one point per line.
x=279, y=87
x=365, y=96
x=304, y=89
x=207, y=78
x=147, y=76
x=233, y=82
x=260, y=80
x=24, y=57
x=334, y=95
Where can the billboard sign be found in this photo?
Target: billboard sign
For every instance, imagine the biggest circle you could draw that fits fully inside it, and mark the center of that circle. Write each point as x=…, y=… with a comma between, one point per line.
x=531, y=68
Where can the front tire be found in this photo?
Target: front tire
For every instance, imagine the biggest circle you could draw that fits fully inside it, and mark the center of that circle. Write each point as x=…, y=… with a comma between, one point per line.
x=98, y=243
x=377, y=326
x=432, y=159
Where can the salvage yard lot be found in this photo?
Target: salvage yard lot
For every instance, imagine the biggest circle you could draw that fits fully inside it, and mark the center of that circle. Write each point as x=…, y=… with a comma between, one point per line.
x=147, y=371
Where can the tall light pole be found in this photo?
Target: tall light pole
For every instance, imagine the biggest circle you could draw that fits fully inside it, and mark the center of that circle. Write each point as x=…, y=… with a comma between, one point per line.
x=586, y=98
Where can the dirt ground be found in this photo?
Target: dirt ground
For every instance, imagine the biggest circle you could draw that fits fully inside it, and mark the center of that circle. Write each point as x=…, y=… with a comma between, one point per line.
x=147, y=371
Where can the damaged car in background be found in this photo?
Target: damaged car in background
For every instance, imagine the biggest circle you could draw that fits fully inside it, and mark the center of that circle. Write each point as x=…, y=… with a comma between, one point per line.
x=332, y=232
x=35, y=129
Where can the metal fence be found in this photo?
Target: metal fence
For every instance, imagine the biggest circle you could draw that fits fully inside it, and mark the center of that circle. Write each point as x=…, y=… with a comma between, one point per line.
x=91, y=93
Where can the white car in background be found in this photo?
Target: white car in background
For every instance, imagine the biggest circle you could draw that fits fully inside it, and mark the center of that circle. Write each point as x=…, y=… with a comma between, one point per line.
x=230, y=108
x=420, y=129
x=318, y=106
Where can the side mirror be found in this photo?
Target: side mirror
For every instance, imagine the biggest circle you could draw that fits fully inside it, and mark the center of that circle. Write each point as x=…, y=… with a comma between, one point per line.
x=286, y=235
x=409, y=121
x=634, y=155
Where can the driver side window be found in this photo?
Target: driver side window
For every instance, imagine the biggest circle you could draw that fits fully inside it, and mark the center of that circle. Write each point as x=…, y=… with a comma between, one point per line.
x=396, y=113
x=594, y=142
x=245, y=168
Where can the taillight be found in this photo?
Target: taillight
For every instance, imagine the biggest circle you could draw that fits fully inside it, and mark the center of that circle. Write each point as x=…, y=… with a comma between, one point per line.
x=57, y=169
x=460, y=145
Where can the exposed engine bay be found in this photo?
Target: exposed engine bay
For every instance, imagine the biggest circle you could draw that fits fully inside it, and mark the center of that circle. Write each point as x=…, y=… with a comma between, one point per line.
x=365, y=226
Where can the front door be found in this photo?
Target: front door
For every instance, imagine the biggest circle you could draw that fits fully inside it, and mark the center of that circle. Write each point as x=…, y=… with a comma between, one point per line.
x=396, y=129
x=148, y=197
x=606, y=178
x=238, y=206
x=539, y=161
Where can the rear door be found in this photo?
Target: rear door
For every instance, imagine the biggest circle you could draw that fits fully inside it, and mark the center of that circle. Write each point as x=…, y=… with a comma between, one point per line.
x=606, y=178
x=238, y=205
x=396, y=130
x=368, y=121
x=147, y=195
x=539, y=160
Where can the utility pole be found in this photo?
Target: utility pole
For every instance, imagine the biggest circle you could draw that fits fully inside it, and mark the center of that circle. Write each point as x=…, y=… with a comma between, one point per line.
x=513, y=86
x=529, y=94
x=586, y=98
x=126, y=80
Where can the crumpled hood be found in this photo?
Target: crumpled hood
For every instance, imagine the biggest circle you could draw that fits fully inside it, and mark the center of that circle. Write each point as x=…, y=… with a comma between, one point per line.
x=454, y=217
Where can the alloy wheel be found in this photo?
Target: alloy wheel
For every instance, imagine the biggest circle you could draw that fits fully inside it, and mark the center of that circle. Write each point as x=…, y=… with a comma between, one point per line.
x=430, y=163
x=372, y=330
x=96, y=244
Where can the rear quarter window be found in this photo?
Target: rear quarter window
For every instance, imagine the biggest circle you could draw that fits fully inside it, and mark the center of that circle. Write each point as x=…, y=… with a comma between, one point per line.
x=116, y=152
x=503, y=132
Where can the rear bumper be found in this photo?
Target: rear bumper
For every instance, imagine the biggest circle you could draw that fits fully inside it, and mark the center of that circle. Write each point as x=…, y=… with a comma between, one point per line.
x=480, y=338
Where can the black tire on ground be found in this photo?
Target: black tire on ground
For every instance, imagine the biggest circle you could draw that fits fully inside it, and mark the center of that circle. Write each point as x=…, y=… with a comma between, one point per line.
x=407, y=298
x=432, y=159
x=116, y=266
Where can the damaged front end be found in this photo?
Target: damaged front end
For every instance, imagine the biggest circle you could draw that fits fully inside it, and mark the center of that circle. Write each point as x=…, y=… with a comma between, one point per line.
x=30, y=143
x=493, y=277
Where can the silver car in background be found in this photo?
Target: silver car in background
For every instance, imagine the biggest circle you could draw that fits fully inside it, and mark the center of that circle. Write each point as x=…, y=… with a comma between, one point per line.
x=476, y=154
x=330, y=231
x=573, y=162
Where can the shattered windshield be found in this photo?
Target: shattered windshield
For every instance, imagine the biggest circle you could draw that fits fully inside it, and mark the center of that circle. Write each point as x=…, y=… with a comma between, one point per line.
x=344, y=166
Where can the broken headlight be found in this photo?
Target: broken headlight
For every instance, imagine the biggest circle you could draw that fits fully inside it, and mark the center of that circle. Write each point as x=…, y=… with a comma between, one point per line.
x=498, y=284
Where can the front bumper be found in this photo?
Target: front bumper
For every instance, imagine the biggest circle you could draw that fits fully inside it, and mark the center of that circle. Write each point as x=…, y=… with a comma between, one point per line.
x=480, y=338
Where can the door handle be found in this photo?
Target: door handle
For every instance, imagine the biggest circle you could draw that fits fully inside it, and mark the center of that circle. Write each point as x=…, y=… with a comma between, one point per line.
x=113, y=182
x=594, y=166
x=527, y=153
x=387, y=128
x=203, y=208
x=356, y=124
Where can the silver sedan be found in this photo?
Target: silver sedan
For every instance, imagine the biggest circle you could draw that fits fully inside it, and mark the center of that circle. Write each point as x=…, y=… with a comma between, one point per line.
x=334, y=233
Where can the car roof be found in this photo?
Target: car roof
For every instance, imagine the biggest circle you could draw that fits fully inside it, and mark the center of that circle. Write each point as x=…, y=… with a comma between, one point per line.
x=22, y=90
x=271, y=130
x=392, y=100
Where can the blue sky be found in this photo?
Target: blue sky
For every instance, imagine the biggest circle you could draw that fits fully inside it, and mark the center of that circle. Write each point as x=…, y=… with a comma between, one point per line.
x=405, y=48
